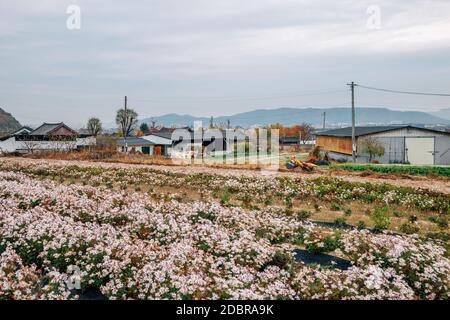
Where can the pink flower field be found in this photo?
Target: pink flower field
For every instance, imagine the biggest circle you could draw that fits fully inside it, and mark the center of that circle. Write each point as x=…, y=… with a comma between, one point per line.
x=132, y=244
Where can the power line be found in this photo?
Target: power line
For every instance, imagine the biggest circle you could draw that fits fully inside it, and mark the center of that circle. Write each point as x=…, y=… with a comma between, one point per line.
x=405, y=92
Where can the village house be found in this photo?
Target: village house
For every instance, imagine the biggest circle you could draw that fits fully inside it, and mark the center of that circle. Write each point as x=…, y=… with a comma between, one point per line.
x=149, y=145
x=184, y=141
x=47, y=137
x=400, y=144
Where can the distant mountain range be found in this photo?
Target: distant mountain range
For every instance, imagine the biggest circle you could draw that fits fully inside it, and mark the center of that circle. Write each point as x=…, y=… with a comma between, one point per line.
x=8, y=123
x=314, y=116
x=444, y=114
x=287, y=116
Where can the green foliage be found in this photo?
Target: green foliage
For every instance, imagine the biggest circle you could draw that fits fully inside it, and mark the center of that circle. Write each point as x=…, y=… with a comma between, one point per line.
x=361, y=224
x=335, y=207
x=329, y=244
x=288, y=202
x=144, y=128
x=443, y=236
x=340, y=221
x=268, y=201
x=397, y=214
x=441, y=221
x=281, y=260
x=381, y=218
x=303, y=214
x=262, y=233
x=409, y=228
x=225, y=197
x=204, y=215
x=413, y=170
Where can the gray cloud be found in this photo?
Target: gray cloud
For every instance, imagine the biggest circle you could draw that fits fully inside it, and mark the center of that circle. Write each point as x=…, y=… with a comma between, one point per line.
x=169, y=56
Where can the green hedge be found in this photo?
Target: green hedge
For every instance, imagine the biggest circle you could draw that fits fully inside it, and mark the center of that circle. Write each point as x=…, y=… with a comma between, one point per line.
x=414, y=170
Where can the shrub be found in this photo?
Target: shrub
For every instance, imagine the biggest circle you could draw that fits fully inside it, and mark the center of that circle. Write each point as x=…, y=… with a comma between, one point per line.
x=361, y=224
x=206, y=215
x=381, y=219
x=409, y=228
x=397, y=214
x=442, y=222
x=340, y=222
x=303, y=214
x=288, y=202
x=281, y=260
x=262, y=233
x=348, y=212
x=225, y=197
x=443, y=236
x=318, y=243
x=335, y=207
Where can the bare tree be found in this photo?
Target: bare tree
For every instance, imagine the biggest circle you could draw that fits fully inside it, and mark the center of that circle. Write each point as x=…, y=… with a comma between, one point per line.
x=153, y=126
x=94, y=126
x=126, y=119
x=305, y=131
x=372, y=147
x=31, y=145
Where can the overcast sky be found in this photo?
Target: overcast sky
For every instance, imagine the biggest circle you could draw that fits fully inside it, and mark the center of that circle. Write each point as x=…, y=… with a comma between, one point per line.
x=218, y=57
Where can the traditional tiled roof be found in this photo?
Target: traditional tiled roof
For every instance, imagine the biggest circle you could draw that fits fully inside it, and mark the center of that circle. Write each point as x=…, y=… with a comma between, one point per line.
x=47, y=128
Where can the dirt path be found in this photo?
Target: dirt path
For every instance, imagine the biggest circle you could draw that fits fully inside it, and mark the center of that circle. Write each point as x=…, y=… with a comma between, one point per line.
x=439, y=185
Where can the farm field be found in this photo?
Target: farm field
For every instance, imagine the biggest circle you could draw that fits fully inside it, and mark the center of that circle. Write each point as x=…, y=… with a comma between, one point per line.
x=406, y=169
x=158, y=232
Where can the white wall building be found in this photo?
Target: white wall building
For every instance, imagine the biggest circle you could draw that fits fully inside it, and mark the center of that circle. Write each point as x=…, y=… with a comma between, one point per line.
x=48, y=137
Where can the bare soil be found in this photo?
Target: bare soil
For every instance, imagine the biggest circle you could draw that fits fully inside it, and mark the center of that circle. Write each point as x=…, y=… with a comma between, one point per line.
x=423, y=182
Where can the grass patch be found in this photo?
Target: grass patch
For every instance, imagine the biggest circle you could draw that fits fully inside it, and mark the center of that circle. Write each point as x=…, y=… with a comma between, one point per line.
x=402, y=169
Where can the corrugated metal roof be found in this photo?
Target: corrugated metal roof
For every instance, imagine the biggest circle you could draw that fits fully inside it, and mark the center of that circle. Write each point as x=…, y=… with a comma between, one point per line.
x=363, y=131
x=157, y=140
x=134, y=141
x=163, y=134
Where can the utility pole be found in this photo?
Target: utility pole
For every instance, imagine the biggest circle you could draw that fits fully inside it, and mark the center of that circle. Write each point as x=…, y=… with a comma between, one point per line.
x=125, y=133
x=324, y=119
x=352, y=86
